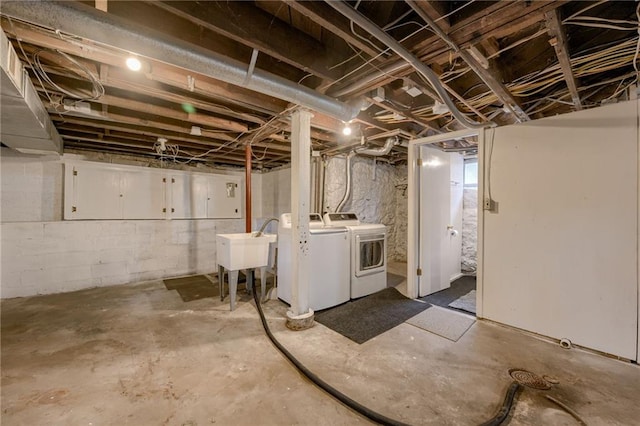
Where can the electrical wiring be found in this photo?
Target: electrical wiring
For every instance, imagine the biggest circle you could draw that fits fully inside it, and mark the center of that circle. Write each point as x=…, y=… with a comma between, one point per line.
x=353, y=31
x=97, y=90
x=454, y=11
x=581, y=11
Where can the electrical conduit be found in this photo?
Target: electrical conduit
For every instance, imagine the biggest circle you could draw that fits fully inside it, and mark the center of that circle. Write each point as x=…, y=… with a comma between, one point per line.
x=393, y=44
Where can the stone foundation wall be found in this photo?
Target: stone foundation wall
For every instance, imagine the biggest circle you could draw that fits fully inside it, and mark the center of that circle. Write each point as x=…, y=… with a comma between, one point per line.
x=376, y=197
x=469, y=230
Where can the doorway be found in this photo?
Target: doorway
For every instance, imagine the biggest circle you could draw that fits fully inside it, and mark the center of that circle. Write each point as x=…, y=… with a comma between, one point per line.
x=448, y=254
x=442, y=262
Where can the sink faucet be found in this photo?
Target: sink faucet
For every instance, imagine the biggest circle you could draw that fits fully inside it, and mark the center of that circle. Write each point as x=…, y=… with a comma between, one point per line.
x=264, y=225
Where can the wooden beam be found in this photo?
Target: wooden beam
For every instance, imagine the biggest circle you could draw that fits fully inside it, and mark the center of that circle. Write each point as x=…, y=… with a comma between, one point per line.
x=559, y=42
x=434, y=12
x=333, y=22
x=247, y=24
x=486, y=75
x=160, y=72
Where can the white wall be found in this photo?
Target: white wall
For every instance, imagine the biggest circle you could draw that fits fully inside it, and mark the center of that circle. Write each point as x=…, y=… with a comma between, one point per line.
x=560, y=255
x=276, y=192
x=41, y=254
x=30, y=187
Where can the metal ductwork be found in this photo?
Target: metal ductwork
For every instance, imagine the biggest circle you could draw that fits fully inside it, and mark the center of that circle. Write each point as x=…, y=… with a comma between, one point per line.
x=92, y=24
x=370, y=27
x=26, y=126
x=376, y=152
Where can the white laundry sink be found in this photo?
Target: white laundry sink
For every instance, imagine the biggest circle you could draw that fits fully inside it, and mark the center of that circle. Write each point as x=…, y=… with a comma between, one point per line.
x=243, y=251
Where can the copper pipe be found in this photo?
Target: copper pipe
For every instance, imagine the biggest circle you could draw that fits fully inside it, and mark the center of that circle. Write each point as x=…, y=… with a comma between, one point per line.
x=247, y=187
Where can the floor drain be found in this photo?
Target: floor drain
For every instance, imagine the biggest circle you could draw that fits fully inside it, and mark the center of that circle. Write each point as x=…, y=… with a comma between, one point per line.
x=529, y=379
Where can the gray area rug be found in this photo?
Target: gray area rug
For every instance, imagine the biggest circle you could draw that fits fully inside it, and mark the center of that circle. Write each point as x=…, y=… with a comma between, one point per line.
x=370, y=316
x=443, y=322
x=466, y=302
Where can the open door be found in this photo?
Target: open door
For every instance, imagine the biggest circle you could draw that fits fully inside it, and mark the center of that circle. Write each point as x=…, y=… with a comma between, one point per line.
x=440, y=219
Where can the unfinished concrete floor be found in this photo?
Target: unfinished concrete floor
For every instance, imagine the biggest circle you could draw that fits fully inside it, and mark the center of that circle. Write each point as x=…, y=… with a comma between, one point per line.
x=139, y=355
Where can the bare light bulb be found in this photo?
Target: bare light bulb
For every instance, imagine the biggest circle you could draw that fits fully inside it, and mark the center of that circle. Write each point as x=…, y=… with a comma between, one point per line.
x=134, y=64
x=346, y=130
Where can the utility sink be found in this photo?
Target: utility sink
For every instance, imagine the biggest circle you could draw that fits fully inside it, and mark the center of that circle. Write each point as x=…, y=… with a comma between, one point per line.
x=243, y=251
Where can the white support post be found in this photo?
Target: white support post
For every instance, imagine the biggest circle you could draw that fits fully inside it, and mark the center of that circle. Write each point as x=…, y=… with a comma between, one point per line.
x=300, y=191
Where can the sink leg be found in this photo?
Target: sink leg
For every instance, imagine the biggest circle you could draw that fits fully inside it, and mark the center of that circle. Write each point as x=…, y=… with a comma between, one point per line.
x=233, y=287
x=263, y=282
x=221, y=281
x=251, y=281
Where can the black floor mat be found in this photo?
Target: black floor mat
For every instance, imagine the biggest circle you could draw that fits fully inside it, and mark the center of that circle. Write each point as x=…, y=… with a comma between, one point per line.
x=193, y=288
x=367, y=317
x=459, y=288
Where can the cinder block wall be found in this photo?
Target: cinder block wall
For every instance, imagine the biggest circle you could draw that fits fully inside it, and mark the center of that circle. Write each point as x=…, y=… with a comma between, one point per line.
x=42, y=254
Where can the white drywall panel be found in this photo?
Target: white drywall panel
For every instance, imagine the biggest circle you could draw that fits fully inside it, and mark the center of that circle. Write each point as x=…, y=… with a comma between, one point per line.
x=143, y=194
x=224, y=199
x=560, y=255
x=189, y=196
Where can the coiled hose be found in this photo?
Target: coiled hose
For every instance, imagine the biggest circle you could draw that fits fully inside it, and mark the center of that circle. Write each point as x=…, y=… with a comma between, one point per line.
x=372, y=415
x=356, y=406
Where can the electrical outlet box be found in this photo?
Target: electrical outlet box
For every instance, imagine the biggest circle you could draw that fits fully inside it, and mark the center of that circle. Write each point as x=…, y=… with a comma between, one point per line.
x=490, y=205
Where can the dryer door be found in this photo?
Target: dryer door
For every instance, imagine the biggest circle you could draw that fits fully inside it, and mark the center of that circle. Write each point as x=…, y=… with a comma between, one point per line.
x=370, y=254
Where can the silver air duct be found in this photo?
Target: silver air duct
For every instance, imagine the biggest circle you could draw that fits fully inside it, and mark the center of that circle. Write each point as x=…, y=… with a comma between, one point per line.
x=92, y=24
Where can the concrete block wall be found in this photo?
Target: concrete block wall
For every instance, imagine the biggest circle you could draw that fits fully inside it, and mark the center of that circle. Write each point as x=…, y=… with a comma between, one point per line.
x=42, y=254
x=54, y=257
x=30, y=187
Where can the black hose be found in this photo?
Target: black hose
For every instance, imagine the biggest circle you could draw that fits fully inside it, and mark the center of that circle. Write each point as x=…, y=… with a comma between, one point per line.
x=503, y=413
x=372, y=415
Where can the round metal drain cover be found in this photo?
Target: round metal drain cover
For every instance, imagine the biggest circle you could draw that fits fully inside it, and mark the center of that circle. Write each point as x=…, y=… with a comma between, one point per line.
x=529, y=379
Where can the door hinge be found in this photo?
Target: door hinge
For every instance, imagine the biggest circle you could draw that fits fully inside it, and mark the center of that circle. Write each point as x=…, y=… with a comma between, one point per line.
x=418, y=162
x=75, y=173
x=74, y=209
x=164, y=210
x=173, y=180
x=419, y=272
x=164, y=180
x=173, y=210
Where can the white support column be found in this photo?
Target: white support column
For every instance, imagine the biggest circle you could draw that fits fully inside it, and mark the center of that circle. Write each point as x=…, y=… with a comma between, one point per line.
x=300, y=192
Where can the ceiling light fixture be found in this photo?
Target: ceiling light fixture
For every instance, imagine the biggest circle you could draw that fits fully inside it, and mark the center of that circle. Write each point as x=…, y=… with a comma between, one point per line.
x=346, y=130
x=134, y=63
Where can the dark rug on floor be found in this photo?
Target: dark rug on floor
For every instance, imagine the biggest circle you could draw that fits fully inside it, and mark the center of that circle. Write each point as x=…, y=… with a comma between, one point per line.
x=193, y=288
x=459, y=288
x=393, y=279
x=367, y=317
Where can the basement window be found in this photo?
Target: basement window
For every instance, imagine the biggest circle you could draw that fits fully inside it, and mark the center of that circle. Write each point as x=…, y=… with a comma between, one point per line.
x=471, y=173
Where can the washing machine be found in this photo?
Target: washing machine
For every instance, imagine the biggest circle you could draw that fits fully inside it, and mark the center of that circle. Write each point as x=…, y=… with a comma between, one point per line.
x=368, y=253
x=329, y=265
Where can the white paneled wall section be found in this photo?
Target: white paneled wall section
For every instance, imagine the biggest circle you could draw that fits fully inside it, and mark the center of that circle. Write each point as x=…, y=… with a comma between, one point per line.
x=107, y=191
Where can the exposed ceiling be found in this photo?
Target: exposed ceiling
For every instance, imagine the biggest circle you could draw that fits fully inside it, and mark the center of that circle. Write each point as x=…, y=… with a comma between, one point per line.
x=500, y=61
